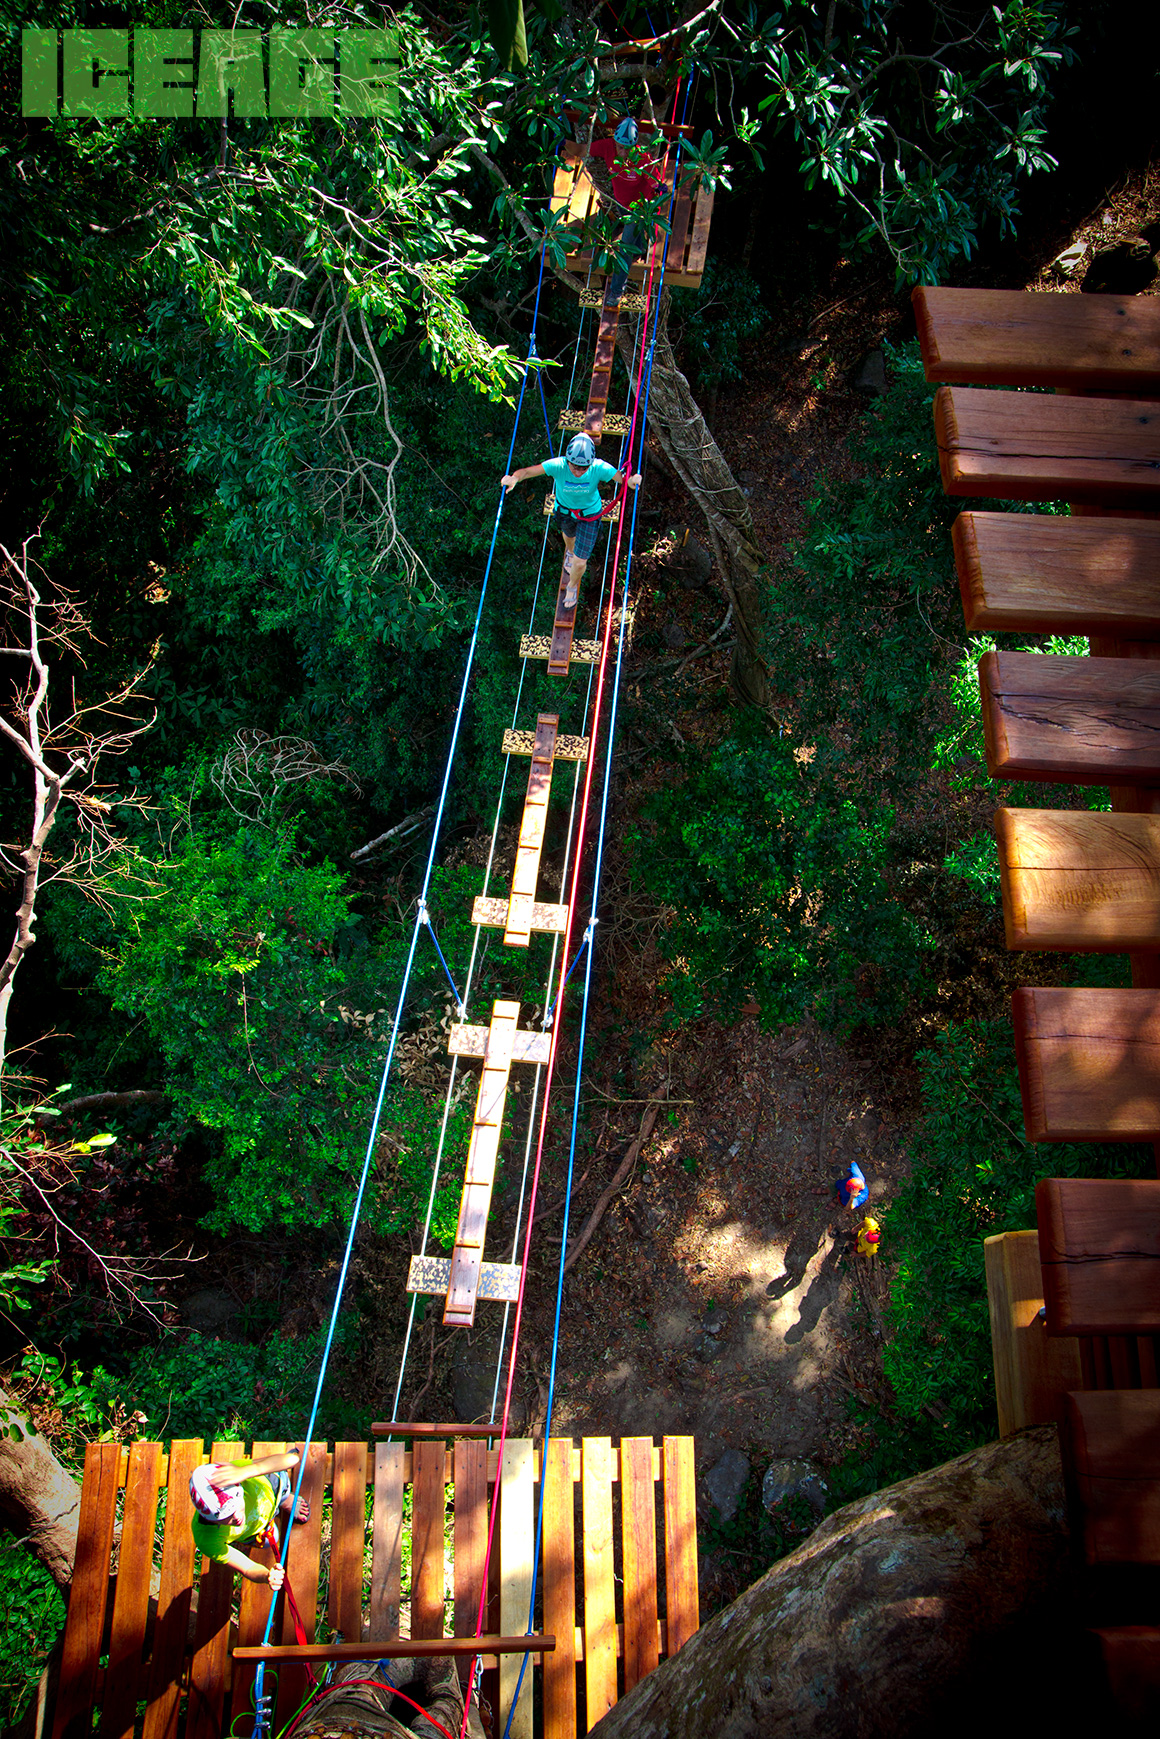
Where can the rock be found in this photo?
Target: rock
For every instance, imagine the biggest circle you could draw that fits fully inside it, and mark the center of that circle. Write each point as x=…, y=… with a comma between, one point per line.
x=1124, y=270
x=786, y=1479
x=894, y=1618
x=673, y=635
x=725, y=1482
x=715, y=1321
x=870, y=376
x=208, y=1310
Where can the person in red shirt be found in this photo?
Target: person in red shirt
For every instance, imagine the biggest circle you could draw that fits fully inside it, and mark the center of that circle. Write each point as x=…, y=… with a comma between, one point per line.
x=636, y=179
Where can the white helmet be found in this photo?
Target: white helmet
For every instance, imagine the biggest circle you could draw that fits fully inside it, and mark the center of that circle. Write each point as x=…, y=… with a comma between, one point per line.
x=581, y=450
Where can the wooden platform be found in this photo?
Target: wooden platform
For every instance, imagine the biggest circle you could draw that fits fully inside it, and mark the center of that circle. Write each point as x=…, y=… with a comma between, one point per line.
x=1089, y=1063
x=1040, y=573
x=1111, y=1459
x=1083, y=721
x=1025, y=446
x=1038, y=338
x=1099, y=1254
x=619, y=1526
x=1032, y=1369
x=572, y=189
x=1080, y=880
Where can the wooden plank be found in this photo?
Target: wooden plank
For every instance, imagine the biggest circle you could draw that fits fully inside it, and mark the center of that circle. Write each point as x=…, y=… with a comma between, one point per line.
x=1040, y=447
x=131, y=1603
x=174, y=1594
x=253, y=1610
x=207, y=1671
x=524, y=742
x=1089, y=1063
x=1032, y=1368
x=427, y=1517
x=1111, y=1445
x=302, y=1570
x=499, y=1282
x=563, y=629
x=679, y=223
x=559, y=1550
x=698, y=246
x=527, y=1046
x=517, y=933
x=387, y=1542
x=605, y=351
x=516, y=1552
x=682, y=1610
x=404, y=1648
x=479, y=1172
x=1038, y=338
x=470, y=1533
x=599, y=1584
x=638, y=1531
x=347, y=1540
x=1086, y=721
x=1080, y=880
x=1040, y=573
x=88, y=1594
x=1131, y=1655
x=1099, y=1248
x=545, y=918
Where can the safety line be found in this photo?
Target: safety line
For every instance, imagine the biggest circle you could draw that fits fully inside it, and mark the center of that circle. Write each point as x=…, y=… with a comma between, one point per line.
x=259, y=1702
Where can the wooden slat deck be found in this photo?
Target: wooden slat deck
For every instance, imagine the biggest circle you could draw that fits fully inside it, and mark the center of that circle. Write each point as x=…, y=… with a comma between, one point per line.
x=479, y=1173
x=689, y=235
x=1025, y=446
x=1040, y=573
x=1032, y=1369
x=637, y=1601
x=1038, y=338
x=1089, y=1063
x=1079, y=880
x=601, y=382
x=1084, y=721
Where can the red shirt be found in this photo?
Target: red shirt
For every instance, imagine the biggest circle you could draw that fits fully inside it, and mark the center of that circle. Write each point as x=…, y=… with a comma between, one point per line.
x=630, y=181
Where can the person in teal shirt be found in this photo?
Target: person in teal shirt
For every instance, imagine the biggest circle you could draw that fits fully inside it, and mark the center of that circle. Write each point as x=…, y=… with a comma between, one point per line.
x=235, y=1503
x=576, y=479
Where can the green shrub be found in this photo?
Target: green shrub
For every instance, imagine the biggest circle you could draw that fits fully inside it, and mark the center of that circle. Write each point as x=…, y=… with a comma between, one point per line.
x=31, y=1617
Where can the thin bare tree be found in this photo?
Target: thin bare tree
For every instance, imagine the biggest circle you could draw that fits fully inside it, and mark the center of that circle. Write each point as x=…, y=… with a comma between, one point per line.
x=63, y=750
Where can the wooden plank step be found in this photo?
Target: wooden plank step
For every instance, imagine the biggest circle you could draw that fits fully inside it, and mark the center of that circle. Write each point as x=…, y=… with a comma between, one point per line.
x=599, y=1578
x=1131, y=1656
x=89, y=1593
x=123, y=1674
x=498, y=1281
x=559, y=1686
x=629, y=303
x=540, y=646
x=1111, y=1457
x=1032, y=1369
x=524, y=743
x=1038, y=338
x=613, y=423
x=516, y=1555
x=174, y=1595
x=1040, y=573
x=533, y=823
x=1028, y=446
x=1084, y=721
x=471, y=1041
x=302, y=1569
x=401, y=1648
x=582, y=263
x=211, y=1642
x=493, y=912
x=1079, y=879
x=1099, y=1250
x=1089, y=1063
x=563, y=630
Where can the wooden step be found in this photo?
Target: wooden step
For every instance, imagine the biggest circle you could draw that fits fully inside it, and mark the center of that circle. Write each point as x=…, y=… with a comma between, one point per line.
x=540, y=646
x=1111, y=1458
x=629, y=304
x=1084, y=721
x=471, y=1041
x=498, y=1281
x=1131, y=1655
x=1089, y=1063
x=524, y=743
x=1029, y=446
x=533, y=824
x=563, y=630
x=1039, y=338
x=1032, y=1369
x=1099, y=1252
x=1040, y=573
x=494, y=913
x=1079, y=880
x=601, y=371
x=613, y=423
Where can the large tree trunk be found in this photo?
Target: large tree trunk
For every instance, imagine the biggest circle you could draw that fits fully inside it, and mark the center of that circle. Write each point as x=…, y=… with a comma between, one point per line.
x=684, y=435
x=936, y=1606
x=39, y=1499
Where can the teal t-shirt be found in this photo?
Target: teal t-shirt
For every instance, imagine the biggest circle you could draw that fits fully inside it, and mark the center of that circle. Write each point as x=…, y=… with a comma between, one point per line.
x=579, y=494
x=216, y=1538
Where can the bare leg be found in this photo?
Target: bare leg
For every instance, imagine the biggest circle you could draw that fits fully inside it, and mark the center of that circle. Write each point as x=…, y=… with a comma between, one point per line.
x=575, y=575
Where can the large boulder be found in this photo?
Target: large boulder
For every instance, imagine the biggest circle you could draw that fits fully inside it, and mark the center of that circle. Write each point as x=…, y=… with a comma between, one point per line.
x=941, y=1605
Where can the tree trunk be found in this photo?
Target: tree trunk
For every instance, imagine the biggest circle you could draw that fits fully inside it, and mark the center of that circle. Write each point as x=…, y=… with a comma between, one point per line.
x=688, y=445
x=39, y=1499
x=933, y=1607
